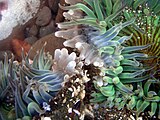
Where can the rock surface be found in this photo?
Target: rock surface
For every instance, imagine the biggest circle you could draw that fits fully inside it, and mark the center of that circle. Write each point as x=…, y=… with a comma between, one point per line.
x=41, y=25
x=50, y=28
x=53, y=43
x=31, y=40
x=59, y=17
x=44, y=16
x=33, y=31
x=53, y=5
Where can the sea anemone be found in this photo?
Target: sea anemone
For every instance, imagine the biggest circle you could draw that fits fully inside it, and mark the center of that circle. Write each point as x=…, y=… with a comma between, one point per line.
x=6, y=95
x=148, y=33
x=35, y=82
x=123, y=80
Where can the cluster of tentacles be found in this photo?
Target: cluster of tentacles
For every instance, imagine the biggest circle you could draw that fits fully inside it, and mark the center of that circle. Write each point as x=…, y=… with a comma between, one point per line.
x=27, y=87
x=122, y=39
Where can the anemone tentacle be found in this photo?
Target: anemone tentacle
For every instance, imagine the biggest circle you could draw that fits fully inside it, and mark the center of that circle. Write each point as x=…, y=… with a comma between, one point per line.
x=119, y=46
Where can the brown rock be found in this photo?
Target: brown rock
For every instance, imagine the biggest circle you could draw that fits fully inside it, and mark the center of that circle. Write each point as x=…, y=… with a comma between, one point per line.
x=44, y=16
x=59, y=17
x=53, y=5
x=50, y=28
x=31, y=40
x=33, y=31
x=53, y=43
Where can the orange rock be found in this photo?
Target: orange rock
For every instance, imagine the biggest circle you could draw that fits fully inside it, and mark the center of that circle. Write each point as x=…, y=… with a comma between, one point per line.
x=17, y=46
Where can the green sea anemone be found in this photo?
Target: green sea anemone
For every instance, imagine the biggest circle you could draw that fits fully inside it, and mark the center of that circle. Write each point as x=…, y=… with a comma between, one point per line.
x=41, y=79
x=125, y=48
x=33, y=83
x=150, y=25
x=6, y=95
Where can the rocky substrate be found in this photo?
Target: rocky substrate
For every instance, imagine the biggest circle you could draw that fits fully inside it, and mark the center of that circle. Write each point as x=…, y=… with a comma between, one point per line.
x=40, y=28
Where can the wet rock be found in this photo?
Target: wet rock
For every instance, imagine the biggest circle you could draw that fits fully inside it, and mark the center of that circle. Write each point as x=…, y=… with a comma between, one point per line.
x=44, y=16
x=53, y=5
x=33, y=31
x=59, y=16
x=53, y=43
x=31, y=40
x=47, y=29
x=18, y=33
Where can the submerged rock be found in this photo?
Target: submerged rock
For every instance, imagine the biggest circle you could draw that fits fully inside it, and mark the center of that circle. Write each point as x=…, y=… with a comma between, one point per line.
x=44, y=16
x=33, y=31
x=53, y=5
x=52, y=43
x=31, y=40
x=50, y=28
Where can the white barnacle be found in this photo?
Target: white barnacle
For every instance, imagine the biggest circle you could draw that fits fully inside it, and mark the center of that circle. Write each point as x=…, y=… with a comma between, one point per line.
x=82, y=94
x=77, y=80
x=85, y=78
x=69, y=110
x=76, y=111
x=64, y=100
x=70, y=89
x=46, y=118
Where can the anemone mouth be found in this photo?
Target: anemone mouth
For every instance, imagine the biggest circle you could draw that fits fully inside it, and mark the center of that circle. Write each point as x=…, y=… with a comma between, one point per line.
x=146, y=33
x=150, y=37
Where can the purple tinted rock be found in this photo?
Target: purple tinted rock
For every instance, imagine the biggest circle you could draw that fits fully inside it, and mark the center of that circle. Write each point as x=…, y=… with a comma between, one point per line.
x=50, y=28
x=33, y=31
x=44, y=16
